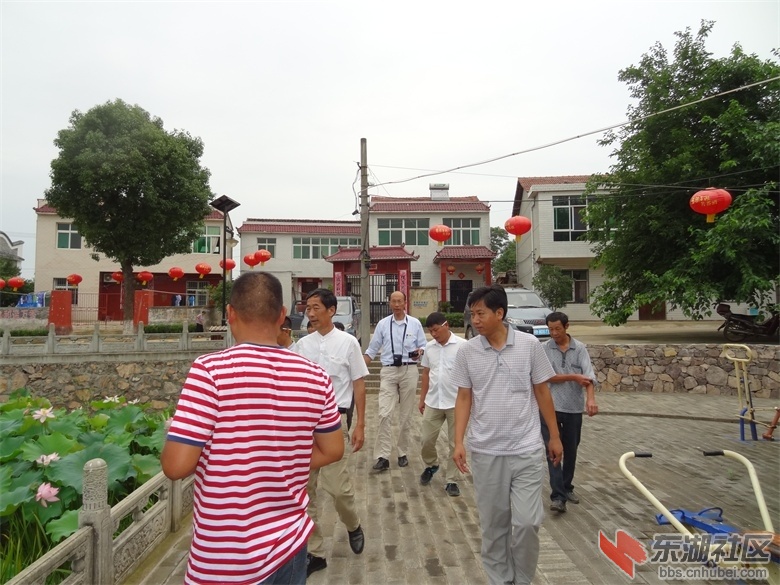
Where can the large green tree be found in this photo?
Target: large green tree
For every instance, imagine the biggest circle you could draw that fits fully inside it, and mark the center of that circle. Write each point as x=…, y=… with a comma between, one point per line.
x=553, y=286
x=652, y=246
x=136, y=192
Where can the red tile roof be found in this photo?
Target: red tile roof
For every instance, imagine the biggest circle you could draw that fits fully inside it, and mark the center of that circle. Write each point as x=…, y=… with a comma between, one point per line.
x=426, y=205
x=464, y=253
x=374, y=252
x=301, y=226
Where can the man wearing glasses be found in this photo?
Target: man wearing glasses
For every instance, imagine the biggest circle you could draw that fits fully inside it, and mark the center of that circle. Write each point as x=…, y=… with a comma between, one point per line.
x=437, y=399
x=284, y=337
x=572, y=390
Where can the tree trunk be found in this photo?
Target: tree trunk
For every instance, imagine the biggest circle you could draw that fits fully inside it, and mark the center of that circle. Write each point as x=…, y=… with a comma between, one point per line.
x=128, y=298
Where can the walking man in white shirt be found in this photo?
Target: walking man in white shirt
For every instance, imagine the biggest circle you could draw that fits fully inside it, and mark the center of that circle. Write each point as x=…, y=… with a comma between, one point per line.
x=399, y=339
x=339, y=355
x=437, y=399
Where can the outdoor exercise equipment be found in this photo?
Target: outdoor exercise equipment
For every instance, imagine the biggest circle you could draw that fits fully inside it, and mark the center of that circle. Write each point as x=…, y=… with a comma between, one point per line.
x=747, y=412
x=710, y=520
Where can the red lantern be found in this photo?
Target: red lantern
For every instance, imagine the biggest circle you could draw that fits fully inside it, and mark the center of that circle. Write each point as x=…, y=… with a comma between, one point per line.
x=175, y=273
x=450, y=269
x=517, y=226
x=73, y=279
x=16, y=282
x=480, y=268
x=710, y=201
x=263, y=256
x=117, y=276
x=203, y=269
x=229, y=263
x=144, y=277
x=441, y=233
x=251, y=260
x=2, y=284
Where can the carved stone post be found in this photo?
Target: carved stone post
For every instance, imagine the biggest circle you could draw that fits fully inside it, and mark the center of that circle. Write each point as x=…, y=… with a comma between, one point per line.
x=96, y=513
x=175, y=505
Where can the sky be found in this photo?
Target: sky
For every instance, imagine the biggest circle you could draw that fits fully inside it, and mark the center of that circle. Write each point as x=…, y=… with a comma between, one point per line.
x=282, y=92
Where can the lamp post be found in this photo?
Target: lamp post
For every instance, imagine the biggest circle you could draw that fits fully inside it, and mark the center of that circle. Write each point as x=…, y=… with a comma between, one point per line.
x=224, y=204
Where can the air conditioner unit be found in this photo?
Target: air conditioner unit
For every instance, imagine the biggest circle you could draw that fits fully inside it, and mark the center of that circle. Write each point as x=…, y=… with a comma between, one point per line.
x=107, y=278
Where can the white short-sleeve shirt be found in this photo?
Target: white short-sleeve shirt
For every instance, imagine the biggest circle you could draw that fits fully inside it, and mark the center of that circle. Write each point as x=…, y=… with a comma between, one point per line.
x=440, y=359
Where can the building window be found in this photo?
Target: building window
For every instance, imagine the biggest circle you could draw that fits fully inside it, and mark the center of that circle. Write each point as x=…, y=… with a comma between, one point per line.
x=410, y=232
x=579, y=290
x=62, y=284
x=316, y=248
x=197, y=293
x=416, y=279
x=568, y=225
x=68, y=238
x=267, y=244
x=465, y=231
x=208, y=242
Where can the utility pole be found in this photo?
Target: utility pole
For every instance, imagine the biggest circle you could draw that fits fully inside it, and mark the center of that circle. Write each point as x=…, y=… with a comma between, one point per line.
x=365, y=259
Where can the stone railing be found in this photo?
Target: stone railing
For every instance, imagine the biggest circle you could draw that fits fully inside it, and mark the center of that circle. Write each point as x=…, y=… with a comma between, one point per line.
x=93, y=554
x=102, y=342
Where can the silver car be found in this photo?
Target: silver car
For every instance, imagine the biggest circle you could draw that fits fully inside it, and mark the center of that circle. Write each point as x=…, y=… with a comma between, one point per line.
x=526, y=312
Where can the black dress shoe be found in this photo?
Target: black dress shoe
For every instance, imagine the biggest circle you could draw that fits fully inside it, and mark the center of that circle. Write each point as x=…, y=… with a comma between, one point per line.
x=403, y=461
x=427, y=474
x=381, y=464
x=356, y=540
x=452, y=489
x=314, y=564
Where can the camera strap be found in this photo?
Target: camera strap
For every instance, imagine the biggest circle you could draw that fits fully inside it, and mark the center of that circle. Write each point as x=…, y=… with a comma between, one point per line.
x=403, y=337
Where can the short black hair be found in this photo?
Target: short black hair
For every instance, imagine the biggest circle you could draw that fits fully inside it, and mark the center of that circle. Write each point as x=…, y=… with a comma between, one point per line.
x=257, y=296
x=287, y=323
x=435, y=318
x=493, y=296
x=338, y=325
x=557, y=316
x=327, y=298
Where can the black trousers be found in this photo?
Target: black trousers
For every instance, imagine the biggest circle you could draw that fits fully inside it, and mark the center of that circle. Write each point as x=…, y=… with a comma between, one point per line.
x=562, y=475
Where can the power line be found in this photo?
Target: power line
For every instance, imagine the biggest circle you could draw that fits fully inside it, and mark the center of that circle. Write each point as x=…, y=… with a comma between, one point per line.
x=571, y=138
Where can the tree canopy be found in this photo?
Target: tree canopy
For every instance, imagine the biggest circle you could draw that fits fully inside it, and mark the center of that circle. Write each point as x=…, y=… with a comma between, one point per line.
x=652, y=246
x=553, y=286
x=136, y=192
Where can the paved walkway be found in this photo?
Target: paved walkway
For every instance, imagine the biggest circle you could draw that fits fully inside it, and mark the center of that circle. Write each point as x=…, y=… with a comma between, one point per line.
x=418, y=535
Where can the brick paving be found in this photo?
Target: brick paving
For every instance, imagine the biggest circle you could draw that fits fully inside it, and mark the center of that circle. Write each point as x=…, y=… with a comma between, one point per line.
x=418, y=535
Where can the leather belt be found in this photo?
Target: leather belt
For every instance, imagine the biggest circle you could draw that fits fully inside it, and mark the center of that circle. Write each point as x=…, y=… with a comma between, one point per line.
x=399, y=365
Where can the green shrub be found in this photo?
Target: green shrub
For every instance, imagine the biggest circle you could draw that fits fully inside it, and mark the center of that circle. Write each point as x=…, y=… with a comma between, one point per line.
x=454, y=319
x=167, y=327
x=37, y=332
x=445, y=306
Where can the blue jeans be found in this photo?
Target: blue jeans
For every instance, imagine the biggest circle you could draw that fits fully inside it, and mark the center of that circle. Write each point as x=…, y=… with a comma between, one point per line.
x=562, y=475
x=293, y=572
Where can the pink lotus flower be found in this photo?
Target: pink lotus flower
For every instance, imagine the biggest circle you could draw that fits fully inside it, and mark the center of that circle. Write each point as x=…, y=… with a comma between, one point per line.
x=46, y=459
x=42, y=414
x=47, y=493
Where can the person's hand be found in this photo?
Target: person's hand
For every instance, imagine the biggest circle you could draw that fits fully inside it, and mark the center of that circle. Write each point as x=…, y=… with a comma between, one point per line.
x=459, y=457
x=591, y=407
x=555, y=450
x=582, y=380
x=358, y=438
x=421, y=406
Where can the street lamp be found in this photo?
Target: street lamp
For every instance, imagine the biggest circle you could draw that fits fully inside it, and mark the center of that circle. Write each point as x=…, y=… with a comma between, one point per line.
x=224, y=204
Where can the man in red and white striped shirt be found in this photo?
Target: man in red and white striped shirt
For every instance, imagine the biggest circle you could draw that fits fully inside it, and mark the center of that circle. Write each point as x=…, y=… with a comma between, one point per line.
x=251, y=422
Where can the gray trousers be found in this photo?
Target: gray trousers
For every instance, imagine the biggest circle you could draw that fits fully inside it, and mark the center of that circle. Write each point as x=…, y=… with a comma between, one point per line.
x=509, y=490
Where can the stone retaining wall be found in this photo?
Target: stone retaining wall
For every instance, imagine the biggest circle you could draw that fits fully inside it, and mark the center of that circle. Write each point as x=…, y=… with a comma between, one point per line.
x=74, y=380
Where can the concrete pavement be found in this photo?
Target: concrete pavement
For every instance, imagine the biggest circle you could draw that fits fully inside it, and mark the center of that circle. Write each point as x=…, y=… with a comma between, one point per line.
x=418, y=535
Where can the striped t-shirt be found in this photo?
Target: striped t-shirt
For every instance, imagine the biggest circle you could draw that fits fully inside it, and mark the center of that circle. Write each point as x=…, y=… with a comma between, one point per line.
x=253, y=410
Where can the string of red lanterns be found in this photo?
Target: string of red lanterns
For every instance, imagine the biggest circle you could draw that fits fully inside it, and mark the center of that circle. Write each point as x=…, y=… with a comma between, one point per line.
x=203, y=269
x=251, y=260
x=263, y=256
x=73, y=279
x=176, y=273
x=229, y=263
x=117, y=276
x=16, y=282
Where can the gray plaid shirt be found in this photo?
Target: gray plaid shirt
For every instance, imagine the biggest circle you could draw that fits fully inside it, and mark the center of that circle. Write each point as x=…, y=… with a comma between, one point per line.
x=569, y=396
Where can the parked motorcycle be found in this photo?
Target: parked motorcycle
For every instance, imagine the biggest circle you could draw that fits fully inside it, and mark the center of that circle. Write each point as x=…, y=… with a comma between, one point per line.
x=738, y=327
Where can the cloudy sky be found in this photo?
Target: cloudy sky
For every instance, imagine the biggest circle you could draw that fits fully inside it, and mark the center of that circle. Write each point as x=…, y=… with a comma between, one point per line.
x=281, y=92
